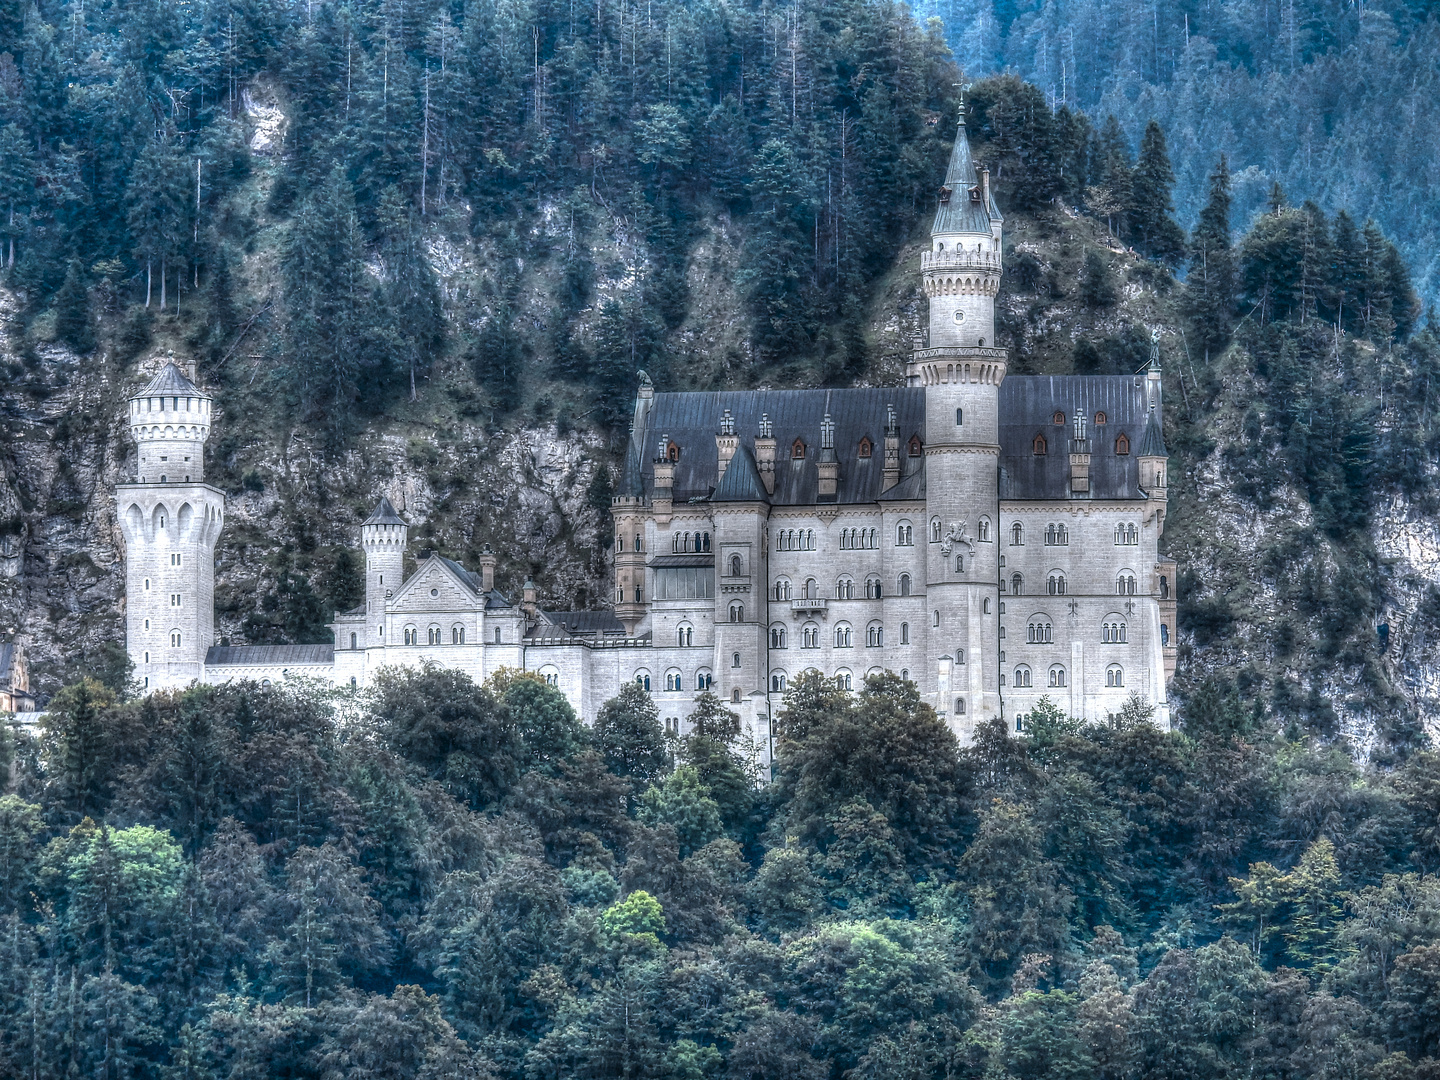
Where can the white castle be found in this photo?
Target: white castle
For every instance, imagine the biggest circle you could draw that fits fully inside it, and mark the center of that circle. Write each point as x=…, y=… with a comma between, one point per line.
x=993, y=539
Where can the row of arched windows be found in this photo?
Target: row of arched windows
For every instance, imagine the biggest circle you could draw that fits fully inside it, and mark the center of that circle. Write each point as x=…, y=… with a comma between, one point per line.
x=1040, y=447
x=844, y=636
x=1056, y=533
x=1056, y=677
x=858, y=539
x=784, y=590
x=795, y=540
x=433, y=635
x=982, y=530
x=1055, y=584
x=674, y=681
x=687, y=542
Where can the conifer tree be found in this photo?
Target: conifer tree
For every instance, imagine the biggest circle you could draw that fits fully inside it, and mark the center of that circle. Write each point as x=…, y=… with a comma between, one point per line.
x=73, y=324
x=1209, y=297
x=1152, y=229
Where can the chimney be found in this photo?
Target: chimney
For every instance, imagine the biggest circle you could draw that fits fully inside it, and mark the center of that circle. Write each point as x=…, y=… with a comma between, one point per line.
x=985, y=188
x=892, y=449
x=529, y=603
x=828, y=467
x=765, y=454
x=664, y=480
x=725, y=444
x=1080, y=459
x=487, y=569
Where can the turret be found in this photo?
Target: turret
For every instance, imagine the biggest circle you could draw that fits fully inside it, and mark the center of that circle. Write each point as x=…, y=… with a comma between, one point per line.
x=487, y=569
x=170, y=421
x=383, y=535
x=171, y=521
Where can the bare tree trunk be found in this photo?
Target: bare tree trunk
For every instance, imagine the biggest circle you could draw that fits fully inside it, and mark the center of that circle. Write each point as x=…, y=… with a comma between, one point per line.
x=424, y=162
x=164, y=272
x=147, y=282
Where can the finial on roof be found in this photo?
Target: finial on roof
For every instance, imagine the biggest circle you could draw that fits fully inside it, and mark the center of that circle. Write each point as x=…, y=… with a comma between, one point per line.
x=892, y=425
x=1155, y=349
x=663, y=452
x=644, y=377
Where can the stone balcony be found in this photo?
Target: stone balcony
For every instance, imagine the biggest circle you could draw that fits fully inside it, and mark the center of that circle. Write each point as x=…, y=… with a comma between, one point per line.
x=960, y=260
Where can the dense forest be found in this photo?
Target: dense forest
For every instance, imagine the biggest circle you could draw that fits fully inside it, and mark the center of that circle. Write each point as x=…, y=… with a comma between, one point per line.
x=443, y=880
x=1328, y=99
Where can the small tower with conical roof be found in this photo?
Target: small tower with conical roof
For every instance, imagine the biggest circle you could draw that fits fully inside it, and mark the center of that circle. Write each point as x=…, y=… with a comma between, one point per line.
x=383, y=535
x=961, y=370
x=171, y=521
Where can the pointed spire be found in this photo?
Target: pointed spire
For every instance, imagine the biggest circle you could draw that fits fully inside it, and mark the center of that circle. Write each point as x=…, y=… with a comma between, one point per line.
x=384, y=515
x=963, y=206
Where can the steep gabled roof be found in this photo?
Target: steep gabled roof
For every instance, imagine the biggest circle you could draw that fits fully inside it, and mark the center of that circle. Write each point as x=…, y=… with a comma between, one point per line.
x=910, y=489
x=1152, y=443
x=384, y=514
x=171, y=380
x=268, y=655
x=741, y=482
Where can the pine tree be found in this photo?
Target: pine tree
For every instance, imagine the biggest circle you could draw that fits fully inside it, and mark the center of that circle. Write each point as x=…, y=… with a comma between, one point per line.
x=1152, y=229
x=1209, y=298
x=73, y=324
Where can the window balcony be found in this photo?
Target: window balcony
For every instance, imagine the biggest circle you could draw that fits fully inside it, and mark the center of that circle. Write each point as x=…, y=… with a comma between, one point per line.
x=803, y=603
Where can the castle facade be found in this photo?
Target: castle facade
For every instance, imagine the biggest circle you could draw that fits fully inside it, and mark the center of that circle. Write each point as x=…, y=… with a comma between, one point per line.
x=996, y=540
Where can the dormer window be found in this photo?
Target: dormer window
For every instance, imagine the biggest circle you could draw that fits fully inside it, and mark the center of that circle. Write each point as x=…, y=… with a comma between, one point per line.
x=866, y=447
x=1058, y=419
x=1039, y=446
x=975, y=194
x=944, y=195
x=1122, y=445
x=797, y=450
x=915, y=446
x=672, y=452
x=1100, y=418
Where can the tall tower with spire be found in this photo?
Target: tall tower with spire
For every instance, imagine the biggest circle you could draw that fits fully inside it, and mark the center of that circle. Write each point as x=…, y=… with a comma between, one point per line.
x=961, y=369
x=171, y=520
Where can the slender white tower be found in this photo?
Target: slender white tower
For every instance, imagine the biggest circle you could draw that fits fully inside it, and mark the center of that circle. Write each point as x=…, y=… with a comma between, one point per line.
x=171, y=520
x=383, y=535
x=961, y=370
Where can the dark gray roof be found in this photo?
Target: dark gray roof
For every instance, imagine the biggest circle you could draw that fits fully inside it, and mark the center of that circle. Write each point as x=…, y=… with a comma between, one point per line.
x=7, y=662
x=384, y=514
x=1028, y=404
x=672, y=561
x=910, y=488
x=471, y=581
x=741, y=482
x=171, y=380
x=958, y=212
x=691, y=420
x=496, y=599
x=585, y=622
x=268, y=655
x=1152, y=443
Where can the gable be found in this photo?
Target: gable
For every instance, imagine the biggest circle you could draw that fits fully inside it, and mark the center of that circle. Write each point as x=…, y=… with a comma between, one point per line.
x=434, y=588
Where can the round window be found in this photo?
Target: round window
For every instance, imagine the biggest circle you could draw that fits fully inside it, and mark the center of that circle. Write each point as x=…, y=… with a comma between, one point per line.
x=959, y=316
x=434, y=592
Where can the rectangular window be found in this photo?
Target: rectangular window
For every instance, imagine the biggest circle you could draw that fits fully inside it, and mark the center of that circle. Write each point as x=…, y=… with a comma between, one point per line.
x=174, y=599
x=685, y=583
x=175, y=559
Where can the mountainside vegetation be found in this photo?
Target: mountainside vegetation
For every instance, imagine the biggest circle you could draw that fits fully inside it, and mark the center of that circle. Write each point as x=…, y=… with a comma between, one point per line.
x=443, y=880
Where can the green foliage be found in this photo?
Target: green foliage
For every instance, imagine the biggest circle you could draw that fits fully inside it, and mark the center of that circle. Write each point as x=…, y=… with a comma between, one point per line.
x=683, y=802
x=629, y=735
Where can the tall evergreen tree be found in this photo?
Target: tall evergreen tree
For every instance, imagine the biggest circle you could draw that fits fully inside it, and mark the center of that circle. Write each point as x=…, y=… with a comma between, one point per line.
x=1209, y=297
x=1152, y=228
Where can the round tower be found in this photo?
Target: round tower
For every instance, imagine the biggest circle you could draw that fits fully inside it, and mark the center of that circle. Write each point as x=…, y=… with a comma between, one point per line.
x=171, y=521
x=383, y=536
x=961, y=370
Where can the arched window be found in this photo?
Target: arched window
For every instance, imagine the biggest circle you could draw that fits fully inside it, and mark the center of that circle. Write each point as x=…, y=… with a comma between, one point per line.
x=1055, y=584
x=1100, y=418
x=1038, y=446
x=736, y=565
x=1122, y=445
x=904, y=584
x=412, y=636
x=959, y=417
x=959, y=564
x=905, y=634
x=673, y=452
x=871, y=540
x=705, y=541
x=551, y=675
x=175, y=639
x=1112, y=630
x=353, y=640
x=1125, y=584
x=904, y=534
x=1058, y=419
x=782, y=589
x=432, y=635
x=810, y=636
x=982, y=530
x=843, y=636
x=843, y=678
x=642, y=680
x=866, y=447
x=905, y=674
x=1022, y=676
x=737, y=612
x=1016, y=583
x=1127, y=533
x=872, y=588
x=735, y=695
x=777, y=637
x=457, y=635
x=845, y=589
x=874, y=635
x=935, y=617
x=1164, y=634
x=812, y=589
x=684, y=635
x=915, y=446
x=1039, y=630
x=1057, y=676
x=498, y=639
x=777, y=683
x=959, y=706
x=672, y=681
x=797, y=450
x=734, y=659
x=1114, y=675
x=703, y=680
x=1017, y=534
x=1164, y=587
x=934, y=530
